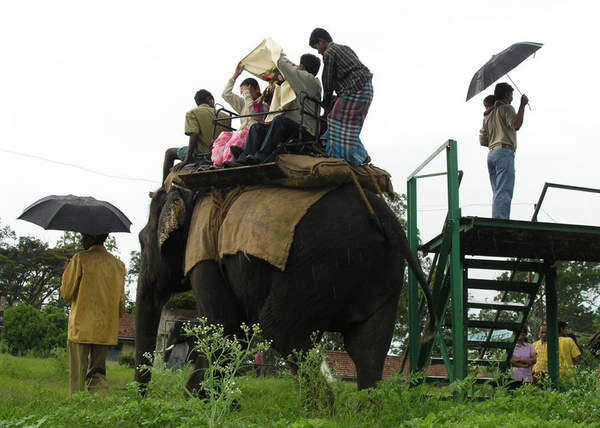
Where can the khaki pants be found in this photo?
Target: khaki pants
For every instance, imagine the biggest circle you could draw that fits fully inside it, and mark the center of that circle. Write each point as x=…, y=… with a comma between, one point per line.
x=87, y=364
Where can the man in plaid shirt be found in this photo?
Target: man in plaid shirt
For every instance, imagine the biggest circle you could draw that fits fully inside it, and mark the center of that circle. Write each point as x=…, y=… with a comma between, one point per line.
x=351, y=80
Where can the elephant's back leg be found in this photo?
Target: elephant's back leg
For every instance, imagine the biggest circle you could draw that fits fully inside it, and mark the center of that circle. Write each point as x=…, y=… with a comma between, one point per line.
x=368, y=343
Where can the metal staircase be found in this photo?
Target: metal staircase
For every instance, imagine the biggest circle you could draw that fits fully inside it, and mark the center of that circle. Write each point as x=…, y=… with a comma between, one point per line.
x=466, y=247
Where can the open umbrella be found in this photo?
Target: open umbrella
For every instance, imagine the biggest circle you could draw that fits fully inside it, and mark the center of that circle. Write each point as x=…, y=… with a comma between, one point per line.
x=501, y=64
x=82, y=214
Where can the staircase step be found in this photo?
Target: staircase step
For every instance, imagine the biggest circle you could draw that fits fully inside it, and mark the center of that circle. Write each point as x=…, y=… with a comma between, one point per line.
x=444, y=379
x=488, y=324
x=494, y=325
x=484, y=344
x=491, y=284
x=501, y=306
x=476, y=362
x=504, y=265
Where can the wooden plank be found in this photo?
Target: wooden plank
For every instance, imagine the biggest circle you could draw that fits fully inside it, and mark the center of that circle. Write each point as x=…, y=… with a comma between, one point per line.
x=500, y=306
x=249, y=175
x=491, y=284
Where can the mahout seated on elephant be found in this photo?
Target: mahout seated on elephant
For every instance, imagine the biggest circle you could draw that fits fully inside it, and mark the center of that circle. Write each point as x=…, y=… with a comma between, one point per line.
x=344, y=274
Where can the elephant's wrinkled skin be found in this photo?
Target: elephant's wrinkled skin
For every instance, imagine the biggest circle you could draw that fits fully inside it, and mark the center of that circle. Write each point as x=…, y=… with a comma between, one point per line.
x=342, y=275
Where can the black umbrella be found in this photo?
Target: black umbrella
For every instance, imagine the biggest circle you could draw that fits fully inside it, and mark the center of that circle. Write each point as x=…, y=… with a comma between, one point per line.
x=82, y=214
x=501, y=64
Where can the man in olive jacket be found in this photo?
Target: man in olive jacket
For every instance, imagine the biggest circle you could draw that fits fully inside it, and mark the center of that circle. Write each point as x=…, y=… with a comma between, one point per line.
x=94, y=283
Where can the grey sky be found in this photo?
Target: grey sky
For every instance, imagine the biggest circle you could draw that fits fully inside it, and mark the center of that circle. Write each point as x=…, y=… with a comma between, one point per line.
x=105, y=86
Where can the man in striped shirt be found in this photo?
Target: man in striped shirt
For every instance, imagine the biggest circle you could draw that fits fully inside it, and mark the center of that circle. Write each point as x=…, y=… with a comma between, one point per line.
x=351, y=80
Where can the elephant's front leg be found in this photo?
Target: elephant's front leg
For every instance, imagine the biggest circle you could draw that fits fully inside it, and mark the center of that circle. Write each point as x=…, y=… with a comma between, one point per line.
x=217, y=303
x=147, y=317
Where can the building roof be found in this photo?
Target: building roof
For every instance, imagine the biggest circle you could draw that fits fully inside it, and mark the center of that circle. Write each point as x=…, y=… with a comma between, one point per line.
x=127, y=326
x=342, y=365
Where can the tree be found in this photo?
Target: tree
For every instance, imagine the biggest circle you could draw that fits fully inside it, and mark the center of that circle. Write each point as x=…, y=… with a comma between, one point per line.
x=27, y=328
x=30, y=271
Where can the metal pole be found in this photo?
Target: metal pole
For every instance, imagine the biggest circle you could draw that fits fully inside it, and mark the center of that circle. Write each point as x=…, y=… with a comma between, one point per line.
x=459, y=349
x=414, y=333
x=552, y=327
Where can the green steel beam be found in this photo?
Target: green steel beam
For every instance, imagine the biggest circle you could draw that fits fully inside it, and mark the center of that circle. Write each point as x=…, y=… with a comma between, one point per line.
x=470, y=222
x=552, y=327
x=414, y=332
x=459, y=333
x=429, y=159
x=498, y=306
x=504, y=265
x=538, y=206
x=486, y=344
x=492, y=284
x=496, y=325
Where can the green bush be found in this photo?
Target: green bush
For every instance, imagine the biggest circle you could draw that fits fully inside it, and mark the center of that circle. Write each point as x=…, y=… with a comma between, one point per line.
x=27, y=329
x=127, y=360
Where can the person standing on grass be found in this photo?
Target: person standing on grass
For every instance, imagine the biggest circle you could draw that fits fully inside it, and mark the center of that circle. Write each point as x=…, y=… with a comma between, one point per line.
x=499, y=134
x=523, y=358
x=568, y=350
x=351, y=80
x=94, y=283
x=540, y=368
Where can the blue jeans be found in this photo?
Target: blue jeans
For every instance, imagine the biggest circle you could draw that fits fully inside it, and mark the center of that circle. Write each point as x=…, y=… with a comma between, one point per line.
x=501, y=166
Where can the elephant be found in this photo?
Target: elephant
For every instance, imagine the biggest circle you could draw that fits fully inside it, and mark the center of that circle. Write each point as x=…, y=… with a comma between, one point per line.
x=344, y=274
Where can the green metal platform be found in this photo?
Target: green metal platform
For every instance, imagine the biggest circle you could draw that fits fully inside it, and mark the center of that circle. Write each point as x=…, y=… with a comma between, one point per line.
x=462, y=250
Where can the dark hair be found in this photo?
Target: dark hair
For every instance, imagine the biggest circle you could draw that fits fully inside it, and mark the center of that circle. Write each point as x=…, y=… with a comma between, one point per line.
x=318, y=33
x=502, y=90
x=96, y=239
x=561, y=325
x=489, y=101
x=250, y=81
x=203, y=97
x=311, y=63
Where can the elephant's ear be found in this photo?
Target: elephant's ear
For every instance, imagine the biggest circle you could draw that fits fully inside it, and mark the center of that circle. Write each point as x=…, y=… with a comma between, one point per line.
x=172, y=217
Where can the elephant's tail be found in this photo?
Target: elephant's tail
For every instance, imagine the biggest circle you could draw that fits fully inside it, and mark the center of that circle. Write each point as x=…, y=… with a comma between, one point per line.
x=394, y=234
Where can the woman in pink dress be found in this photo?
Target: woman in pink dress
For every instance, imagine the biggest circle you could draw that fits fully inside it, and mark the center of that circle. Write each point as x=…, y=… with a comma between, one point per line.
x=522, y=360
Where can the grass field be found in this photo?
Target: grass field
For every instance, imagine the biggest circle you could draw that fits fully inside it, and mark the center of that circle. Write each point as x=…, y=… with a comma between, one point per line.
x=34, y=392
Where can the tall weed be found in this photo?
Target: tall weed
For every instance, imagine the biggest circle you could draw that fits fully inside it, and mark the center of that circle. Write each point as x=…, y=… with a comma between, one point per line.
x=314, y=393
x=225, y=356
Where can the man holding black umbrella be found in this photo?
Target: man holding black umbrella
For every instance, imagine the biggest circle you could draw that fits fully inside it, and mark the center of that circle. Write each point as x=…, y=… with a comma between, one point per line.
x=499, y=131
x=94, y=283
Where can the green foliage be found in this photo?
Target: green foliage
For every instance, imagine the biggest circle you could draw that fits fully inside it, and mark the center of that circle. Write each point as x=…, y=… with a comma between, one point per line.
x=182, y=301
x=314, y=394
x=34, y=393
x=29, y=329
x=127, y=360
x=31, y=271
x=225, y=357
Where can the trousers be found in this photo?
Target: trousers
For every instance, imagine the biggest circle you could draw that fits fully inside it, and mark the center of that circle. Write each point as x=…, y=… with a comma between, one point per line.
x=501, y=167
x=87, y=367
x=264, y=138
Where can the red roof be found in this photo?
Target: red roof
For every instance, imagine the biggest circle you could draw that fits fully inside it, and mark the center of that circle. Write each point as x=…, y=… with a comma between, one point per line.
x=127, y=326
x=342, y=365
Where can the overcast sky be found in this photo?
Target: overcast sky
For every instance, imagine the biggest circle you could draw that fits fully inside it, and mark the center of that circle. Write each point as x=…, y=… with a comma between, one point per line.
x=105, y=86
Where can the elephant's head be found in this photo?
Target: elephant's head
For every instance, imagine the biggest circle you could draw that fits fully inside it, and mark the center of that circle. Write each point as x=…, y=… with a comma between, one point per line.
x=162, y=244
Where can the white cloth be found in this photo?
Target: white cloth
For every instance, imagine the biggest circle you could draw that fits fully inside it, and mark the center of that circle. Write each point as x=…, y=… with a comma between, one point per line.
x=242, y=105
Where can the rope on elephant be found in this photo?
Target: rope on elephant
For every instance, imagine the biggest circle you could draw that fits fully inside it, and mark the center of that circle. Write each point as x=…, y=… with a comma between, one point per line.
x=362, y=193
x=371, y=175
x=222, y=201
